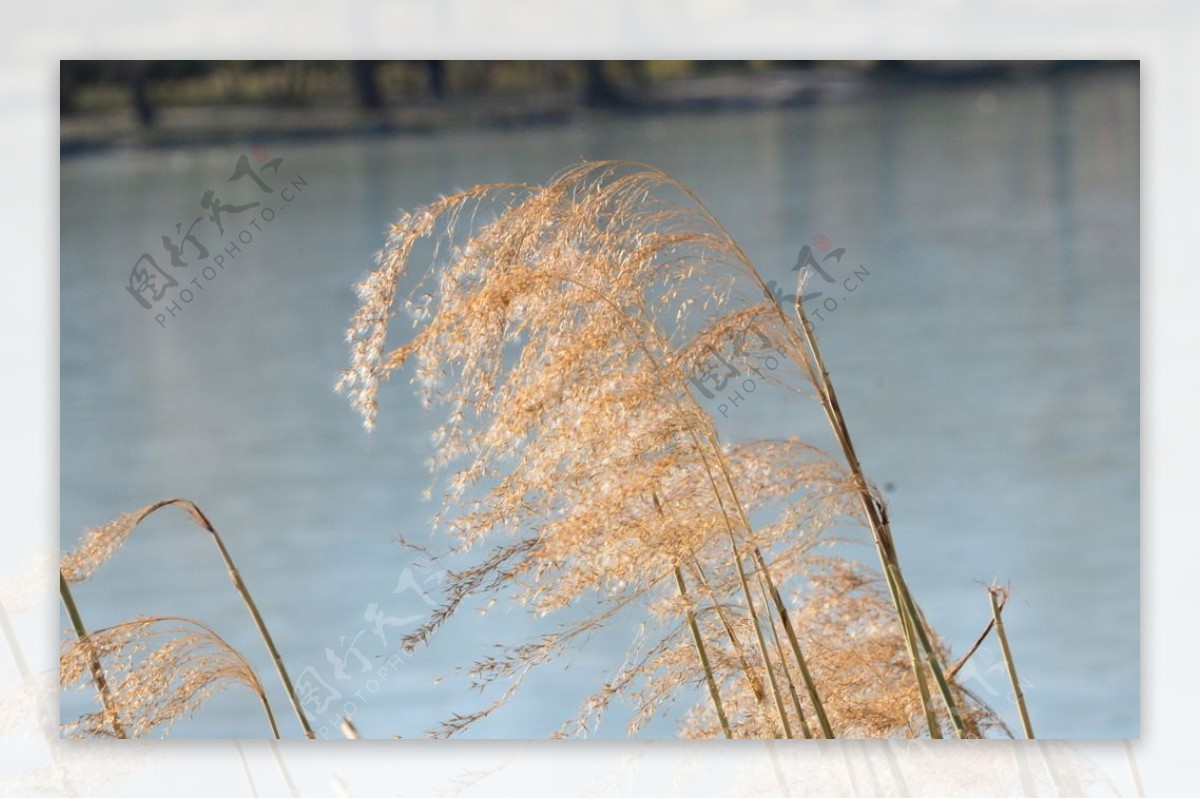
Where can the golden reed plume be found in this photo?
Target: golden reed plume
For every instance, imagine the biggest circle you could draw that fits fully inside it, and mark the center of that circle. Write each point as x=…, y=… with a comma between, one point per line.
x=99, y=545
x=159, y=670
x=560, y=328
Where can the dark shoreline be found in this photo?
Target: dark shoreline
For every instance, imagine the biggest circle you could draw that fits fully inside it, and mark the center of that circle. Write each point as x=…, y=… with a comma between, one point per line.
x=193, y=126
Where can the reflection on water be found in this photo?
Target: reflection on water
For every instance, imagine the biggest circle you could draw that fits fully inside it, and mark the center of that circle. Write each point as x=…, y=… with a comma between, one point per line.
x=988, y=365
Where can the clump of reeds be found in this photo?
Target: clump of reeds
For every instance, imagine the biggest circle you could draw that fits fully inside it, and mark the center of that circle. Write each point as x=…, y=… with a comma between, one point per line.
x=158, y=670
x=561, y=327
x=188, y=660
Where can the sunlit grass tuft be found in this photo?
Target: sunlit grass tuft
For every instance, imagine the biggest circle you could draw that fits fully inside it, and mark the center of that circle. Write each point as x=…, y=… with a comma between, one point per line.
x=99, y=545
x=158, y=670
x=560, y=329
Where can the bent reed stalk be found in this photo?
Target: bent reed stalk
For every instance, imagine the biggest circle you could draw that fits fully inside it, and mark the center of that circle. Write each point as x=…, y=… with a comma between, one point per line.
x=101, y=543
x=562, y=327
x=163, y=668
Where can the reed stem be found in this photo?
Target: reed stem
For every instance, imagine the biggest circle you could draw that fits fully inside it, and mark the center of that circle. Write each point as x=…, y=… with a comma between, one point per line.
x=762, y=643
x=713, y=691
x=935, y=665
x=94, y=661
x=756, y=686
x=239, y=585
x=880, y=530
x=705, y=664
x=906, y=625
x=805, y=730
x=742, y=580
x=794, y=641
x=270, y=715
x=997, y=596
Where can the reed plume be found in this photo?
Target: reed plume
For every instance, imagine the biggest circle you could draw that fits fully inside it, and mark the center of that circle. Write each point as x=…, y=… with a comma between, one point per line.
x=567, y=330
x=159, y=670
x=101, y=543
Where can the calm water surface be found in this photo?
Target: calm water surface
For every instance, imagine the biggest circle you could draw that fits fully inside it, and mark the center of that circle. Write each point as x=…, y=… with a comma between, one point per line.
x=987, y=362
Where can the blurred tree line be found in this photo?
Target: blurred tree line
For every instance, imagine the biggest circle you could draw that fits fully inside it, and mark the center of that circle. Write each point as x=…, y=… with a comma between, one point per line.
x=146, y=87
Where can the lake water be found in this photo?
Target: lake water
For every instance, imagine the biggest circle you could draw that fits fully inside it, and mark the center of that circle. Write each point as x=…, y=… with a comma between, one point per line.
x=987, y=364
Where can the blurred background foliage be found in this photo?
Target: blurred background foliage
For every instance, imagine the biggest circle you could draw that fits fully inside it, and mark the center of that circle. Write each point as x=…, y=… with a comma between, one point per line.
x=147, y=102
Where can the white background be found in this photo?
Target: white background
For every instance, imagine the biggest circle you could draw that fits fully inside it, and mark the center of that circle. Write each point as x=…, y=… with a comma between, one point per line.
x=1163, y=35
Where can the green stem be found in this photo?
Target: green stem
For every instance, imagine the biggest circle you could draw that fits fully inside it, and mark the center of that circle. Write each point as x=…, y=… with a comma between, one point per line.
x=713, y=690
x=755, y=682
x=239, y=585
x=94, y=661
x=805, y=730
x=794, y=641
x=270, y=715
x=906, y=624
x=997, y=606
x=880, y=531
x=743, y=582
x=935, y=665
x=703, y=653
x=758, y=633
